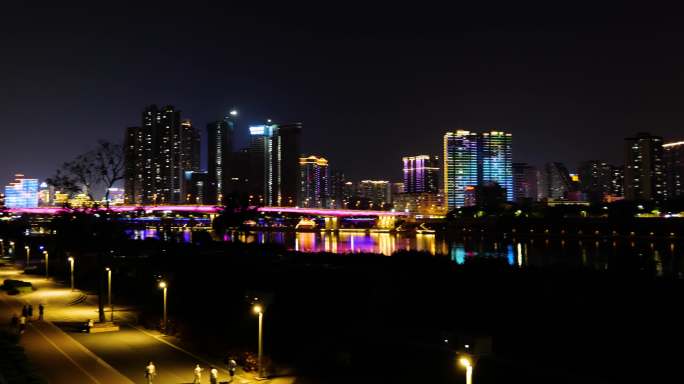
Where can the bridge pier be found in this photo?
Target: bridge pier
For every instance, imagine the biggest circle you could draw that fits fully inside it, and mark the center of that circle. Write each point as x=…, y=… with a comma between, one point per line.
x=386, y=221
x=332, y=223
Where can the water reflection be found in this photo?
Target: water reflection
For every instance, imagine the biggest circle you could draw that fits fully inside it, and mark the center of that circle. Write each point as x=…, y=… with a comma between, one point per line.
x=659, y=258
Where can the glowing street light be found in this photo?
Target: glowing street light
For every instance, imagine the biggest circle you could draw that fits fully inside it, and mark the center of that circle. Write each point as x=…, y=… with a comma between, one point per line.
x=2, y=247
x=467, y=363
x=12, y=250
x=71, y=270
x=163, y=285
x=109, y=293
x=46, y=264
x=28, y=252
x=259, y=310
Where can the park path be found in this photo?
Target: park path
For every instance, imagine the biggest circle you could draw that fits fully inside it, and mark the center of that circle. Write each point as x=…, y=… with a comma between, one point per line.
x=112, y=357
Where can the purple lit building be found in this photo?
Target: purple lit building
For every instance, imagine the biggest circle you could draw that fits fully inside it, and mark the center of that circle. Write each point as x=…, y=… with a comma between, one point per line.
x=421, y=174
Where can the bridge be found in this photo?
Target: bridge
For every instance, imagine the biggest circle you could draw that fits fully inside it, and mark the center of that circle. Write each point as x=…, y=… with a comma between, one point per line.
x=386, y=219
x=202, y=209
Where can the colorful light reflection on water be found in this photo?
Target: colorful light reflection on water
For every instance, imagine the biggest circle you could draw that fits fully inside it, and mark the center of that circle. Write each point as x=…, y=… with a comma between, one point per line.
x=663, y=258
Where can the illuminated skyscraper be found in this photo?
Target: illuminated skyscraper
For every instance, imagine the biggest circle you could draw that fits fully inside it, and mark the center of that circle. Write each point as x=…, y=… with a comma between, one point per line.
x=421, y=174
x=460, y=166
x=157, y=155
x=314, y=182
x=220, y=154
x=644, y=171
x=259, y=162
x=674, y=169
x=496, y=160
x=22, y=193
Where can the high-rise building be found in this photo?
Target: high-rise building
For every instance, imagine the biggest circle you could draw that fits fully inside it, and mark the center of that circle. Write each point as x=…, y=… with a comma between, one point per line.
x=674, y=169
x=377, y=192
x=471, y=159
x=524, y=182
x=460, y=166
x=284, y=173
x=157, y=155
x=196, y=185
x=496, y=160
x=596, y=179
x=259, y=162
x=274, y=163
x=644, y=171
x=22, y=193
x=421, y=174
x=557, y=181
x=219, y=158
x=337, y=188
x=314, y=182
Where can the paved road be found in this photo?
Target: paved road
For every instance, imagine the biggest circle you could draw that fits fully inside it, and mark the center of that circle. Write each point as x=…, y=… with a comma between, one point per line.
x=67, y=356
x=134, y=347
x=57, y=356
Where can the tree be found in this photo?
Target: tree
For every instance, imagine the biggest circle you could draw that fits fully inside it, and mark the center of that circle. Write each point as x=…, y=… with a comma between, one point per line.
x=109, y=160
x=100, y=167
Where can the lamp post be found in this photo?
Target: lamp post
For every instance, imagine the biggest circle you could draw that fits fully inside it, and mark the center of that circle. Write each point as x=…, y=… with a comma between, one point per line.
x=46, y=263
x=109, y=293
x=467, y=363
x=2, y=247
x=71, y=270
x=12, y=250
x=162, y=285
x=259, y=310
x=28, y=252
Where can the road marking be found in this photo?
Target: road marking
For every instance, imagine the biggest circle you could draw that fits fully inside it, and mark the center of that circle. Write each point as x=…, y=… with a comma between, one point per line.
x=88, y=351
x=64, y=353
x=178, y=348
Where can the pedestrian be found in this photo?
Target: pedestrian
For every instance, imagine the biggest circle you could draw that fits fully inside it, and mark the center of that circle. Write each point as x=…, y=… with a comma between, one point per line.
x=22, y=324
x=41, y=311
x=232, y=367
x=150, y=372
x=30, y=311
x=24, y=311
x=198, y=374
x=213, y=375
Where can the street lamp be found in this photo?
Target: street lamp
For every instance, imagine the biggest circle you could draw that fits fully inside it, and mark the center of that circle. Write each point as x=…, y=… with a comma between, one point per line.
x=12, y=250
x=258, y=309
x=2, y=247
x=467, y=363
x=71, y=270
x=109, y=293
x=28, y=252
x=162, y=285
x=46, y=263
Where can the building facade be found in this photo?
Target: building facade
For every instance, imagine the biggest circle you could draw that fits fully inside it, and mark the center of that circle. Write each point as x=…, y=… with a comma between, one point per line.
x=157, y=154
x=421, y=174
x=644, y=168
x=674, y=170
x=22, y=193
x=460, y=166
x=472, y=159
x=496, y=160
x=524, y=182
x=314, y=182
x=376, y=192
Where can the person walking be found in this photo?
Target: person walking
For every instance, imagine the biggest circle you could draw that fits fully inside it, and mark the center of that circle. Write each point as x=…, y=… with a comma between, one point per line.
x=232, y=367
x=30, y=311
x=41, y=311
x=24, y=311
x=22, y=324
x=150, y=372
x=198, y=374
x=213, y=375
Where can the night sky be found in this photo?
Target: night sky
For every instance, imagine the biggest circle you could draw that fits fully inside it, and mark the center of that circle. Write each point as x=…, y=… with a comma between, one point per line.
x=370, y=83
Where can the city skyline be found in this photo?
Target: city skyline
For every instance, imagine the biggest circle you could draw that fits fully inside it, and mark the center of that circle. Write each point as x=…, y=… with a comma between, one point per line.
x=361, y=89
